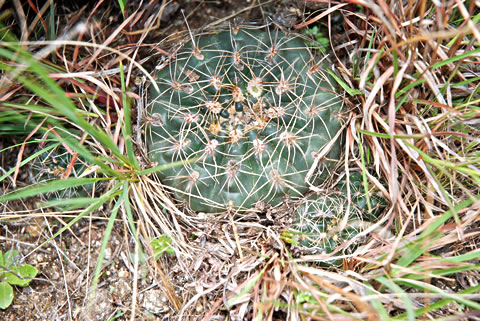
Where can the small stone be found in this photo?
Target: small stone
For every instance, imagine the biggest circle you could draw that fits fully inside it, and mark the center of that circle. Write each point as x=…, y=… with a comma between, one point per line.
x=155, y=302
x=108, y=254
x=123, y=274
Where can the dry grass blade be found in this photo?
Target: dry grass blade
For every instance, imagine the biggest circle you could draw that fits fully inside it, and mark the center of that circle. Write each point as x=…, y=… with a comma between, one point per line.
x=370, y=313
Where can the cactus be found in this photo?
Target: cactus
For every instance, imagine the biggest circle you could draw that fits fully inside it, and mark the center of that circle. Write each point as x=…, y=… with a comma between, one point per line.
x=377, y=200
x=254, y=107
x=52, y=165
x=317, y=228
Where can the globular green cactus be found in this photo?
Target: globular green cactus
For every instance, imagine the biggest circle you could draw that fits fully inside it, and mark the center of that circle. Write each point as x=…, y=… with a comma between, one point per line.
x=256, y=108
x=319, y=226
x=357, y=191
x=52, y=165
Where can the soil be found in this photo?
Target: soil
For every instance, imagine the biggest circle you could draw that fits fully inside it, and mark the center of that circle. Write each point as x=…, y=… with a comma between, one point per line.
x=66, y=264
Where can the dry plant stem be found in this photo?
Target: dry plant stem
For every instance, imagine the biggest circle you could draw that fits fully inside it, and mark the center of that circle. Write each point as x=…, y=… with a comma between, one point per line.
x=241, y=268
x=380, y=158
x=444, y=34
x=52, y=45
x=233, y=15
x=135, y=279
x=362, y=306
x=110, y=39
x=157, y=18
x=308, y=287
x=237, y=240
x=39, y=17
x=131, y=66
x=398, y=240
x=90, y=77
x=22, y=18
x=166, y=284
x=160, y=200
x=467, y=17
x=80, y=36
x=22, y=149
x=393, y=179
x=348, y=141
x=320, y=16
x=232, y=295
x=222, y=299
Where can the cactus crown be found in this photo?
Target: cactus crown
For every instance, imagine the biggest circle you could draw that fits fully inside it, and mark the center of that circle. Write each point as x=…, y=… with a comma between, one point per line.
x=255, y=107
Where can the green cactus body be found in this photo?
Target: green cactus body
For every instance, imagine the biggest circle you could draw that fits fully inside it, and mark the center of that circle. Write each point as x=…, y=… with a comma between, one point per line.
x=254, y=107
x=357, y=190
x=317, y=228
x=52, y=165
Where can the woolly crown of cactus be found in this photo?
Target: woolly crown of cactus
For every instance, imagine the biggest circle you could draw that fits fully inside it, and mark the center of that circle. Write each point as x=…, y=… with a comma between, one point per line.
x=256, y=108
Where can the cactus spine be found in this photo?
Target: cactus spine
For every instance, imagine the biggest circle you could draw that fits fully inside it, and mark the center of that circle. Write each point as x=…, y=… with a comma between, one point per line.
x=255, y=107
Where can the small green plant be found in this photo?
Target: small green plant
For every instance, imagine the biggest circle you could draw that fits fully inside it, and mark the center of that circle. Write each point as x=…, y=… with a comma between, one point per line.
x=320, y=39
x=369, y=201
x=13, y=273
x=257, y=108
x=162, y=245
x=122, y=4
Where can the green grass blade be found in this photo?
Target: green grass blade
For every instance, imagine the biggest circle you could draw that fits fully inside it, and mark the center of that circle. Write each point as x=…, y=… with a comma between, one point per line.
x=26, y=160
x=456, y=58
x=69, y=204
x=440, y=221
x=413, y=251
x=470, y=256
x=127, y=123
x=377, y=304
x=129, y=213
x=55, y=96
x=48, y=187
x=440, y=272
x=246, y=289
x=426, y=287
x=106, y=237
x=410, y=314
x=85, y=154
x=364, y=174
x=435, y=306
x=97, y=203
x=350, y=91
